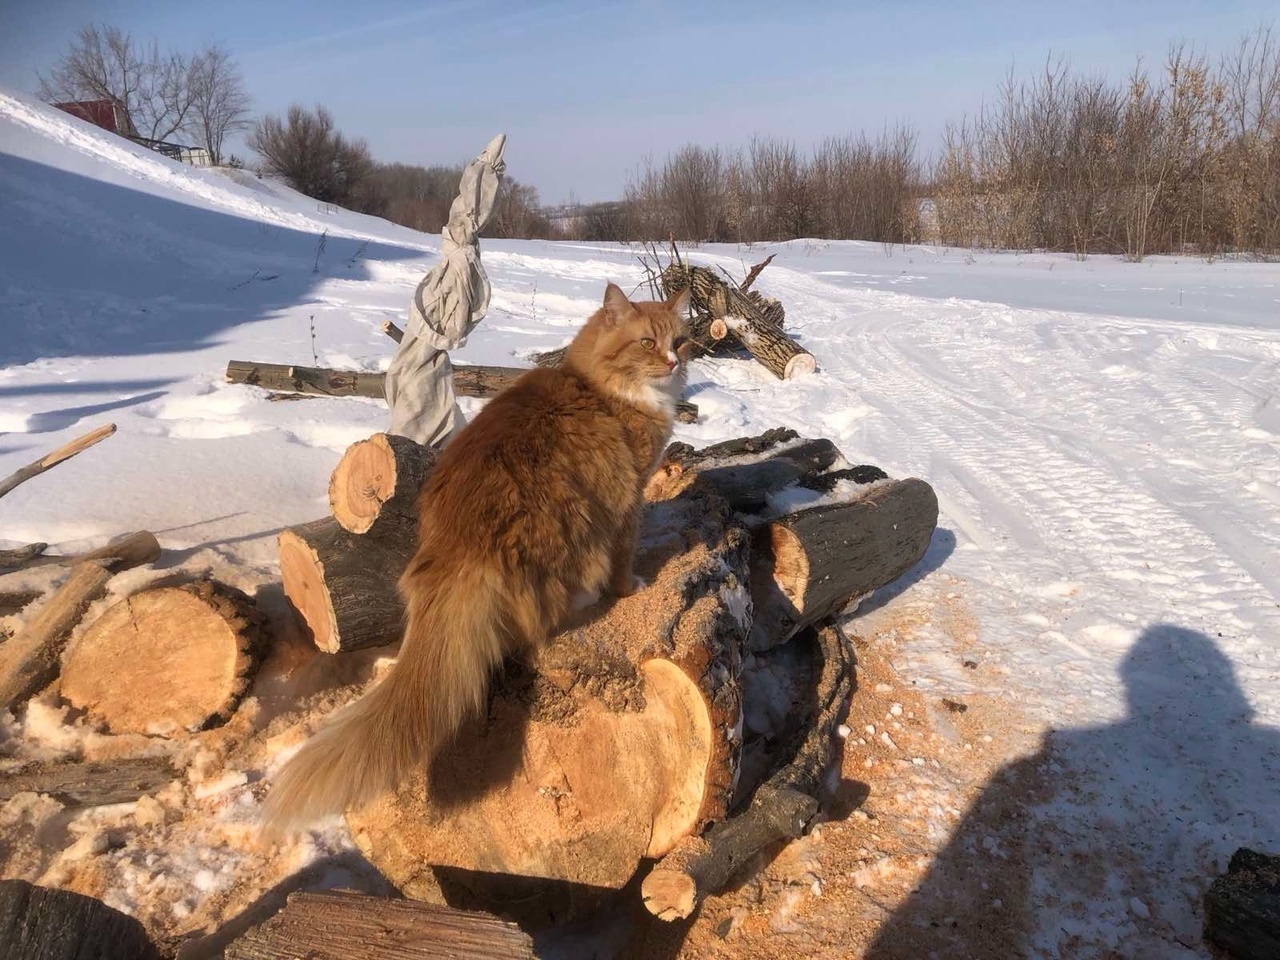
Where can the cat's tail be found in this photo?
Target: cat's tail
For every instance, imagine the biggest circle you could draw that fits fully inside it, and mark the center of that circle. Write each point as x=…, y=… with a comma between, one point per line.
x=453, y=639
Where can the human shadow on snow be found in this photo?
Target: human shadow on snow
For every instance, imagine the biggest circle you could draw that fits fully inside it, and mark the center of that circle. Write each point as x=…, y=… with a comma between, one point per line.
x=1104, y=842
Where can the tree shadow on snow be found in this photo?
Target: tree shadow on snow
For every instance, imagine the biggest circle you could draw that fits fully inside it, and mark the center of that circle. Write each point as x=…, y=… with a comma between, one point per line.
x=96, y=269
x=1105, y=841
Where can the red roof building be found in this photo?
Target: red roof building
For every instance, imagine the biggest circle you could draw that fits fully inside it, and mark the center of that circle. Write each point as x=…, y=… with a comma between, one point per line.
x=106, y=114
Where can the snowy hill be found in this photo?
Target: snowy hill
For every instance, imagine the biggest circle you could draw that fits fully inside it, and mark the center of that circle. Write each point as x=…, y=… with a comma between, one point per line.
x=1104, y=439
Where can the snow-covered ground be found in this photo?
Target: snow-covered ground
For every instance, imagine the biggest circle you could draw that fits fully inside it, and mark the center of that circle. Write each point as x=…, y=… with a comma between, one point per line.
x=1104, y=439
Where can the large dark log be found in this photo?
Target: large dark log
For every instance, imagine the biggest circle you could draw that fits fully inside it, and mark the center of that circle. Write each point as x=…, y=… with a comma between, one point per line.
x=29, y=661
x=468, y=381
x=52, y=459
x=19, y=557
x=811, y=564
x=1242, y=907
x=375, y=485
x=89, y=784
x=166, y=661
x=344, y=584
x=337, y=925
x=781, y=808
x=37, y=923
x=747, y=470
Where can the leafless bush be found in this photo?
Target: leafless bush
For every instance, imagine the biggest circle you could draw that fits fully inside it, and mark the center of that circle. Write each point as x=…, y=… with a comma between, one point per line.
x=1185, y=159
x=308, y=153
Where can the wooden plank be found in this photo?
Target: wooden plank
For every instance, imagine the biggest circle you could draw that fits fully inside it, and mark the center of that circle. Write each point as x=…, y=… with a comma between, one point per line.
x=90, y=784
x=338, y=925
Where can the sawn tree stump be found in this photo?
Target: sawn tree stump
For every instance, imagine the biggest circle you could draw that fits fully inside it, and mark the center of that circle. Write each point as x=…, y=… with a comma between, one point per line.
x=167, y=660
x=374, y=488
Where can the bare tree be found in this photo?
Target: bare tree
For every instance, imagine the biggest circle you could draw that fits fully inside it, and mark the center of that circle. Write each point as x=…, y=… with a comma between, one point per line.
x=105, y=63
x=219, y=104
x=308, y=153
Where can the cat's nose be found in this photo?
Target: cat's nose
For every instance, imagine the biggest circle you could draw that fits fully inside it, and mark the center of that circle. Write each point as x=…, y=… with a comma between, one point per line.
x=672, y=360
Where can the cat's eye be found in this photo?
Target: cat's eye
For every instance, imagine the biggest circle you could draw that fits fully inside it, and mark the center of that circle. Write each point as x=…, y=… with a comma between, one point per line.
x=647, y=343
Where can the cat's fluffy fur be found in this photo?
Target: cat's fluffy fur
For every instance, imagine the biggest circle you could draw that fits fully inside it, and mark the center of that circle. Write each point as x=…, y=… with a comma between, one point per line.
x=531, y=506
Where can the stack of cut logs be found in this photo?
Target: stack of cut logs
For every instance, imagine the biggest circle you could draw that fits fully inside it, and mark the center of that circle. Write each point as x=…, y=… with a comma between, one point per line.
x=725, y=317
x=621, y=740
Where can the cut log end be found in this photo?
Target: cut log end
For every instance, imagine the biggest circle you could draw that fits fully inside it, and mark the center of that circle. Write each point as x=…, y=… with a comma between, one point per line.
x=302, y=574
x=166, y=661
x=375, y=485
x=669, y=894
x=718, y=329
x=802, y=364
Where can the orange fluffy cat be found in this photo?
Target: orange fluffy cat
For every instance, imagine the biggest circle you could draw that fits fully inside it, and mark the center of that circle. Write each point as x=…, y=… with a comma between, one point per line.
x=531, y=506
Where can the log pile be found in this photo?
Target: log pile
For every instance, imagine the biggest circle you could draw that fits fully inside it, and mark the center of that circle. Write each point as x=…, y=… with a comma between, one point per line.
x=620, y=741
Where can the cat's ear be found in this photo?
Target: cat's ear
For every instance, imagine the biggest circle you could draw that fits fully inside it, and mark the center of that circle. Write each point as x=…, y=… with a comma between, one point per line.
x=678, y=303
x=616, y=305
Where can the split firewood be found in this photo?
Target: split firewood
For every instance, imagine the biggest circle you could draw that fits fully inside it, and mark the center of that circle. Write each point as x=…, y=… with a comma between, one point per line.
x=610, y=744
x=344, y=584
x=40, y=923
x=19, y=557
x=1242, y=907
x=78, y=783
x=50, y=460
x=747, y=470
x=338, y=925
x=29, y=661
x=468, y=381
x=375, y=485
x=392, y=331
x=782, y=808
x=812, y=563
x=167, y=660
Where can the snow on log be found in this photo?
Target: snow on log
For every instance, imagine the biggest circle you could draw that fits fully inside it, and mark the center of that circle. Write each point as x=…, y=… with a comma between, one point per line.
x=38, y=923
x=19, y=557
x=375, y=485
x=812, y=563
x=80, y=783
x=777, y=352
x=344, y=584
x=468, y=381
x=29, y=661
x=338, y=925
x=1242, y=907
x=167, y=660
x=609, y=745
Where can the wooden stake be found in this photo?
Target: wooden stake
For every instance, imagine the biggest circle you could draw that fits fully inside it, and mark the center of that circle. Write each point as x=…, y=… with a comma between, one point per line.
x=392, y=331
x=50, y=460
x=29, y=661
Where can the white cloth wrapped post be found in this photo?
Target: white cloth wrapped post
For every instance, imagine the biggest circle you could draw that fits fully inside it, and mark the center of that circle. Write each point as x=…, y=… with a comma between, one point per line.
x=446, y=307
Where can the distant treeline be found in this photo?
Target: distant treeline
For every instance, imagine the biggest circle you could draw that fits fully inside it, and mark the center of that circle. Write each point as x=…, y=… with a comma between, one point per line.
x=1185, y=158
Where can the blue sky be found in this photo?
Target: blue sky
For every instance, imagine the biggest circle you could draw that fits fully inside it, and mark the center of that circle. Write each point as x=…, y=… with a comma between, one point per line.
x=585, y=91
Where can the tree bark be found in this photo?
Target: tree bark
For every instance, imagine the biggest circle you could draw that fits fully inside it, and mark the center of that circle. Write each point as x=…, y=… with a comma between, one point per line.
x=90, y=784
x=52, y=459
x=811, y=564
x=1242, y=907
x=166, y=661
x=29, y=661
x=781, y=808
x=777, y=352
x=37, y=923
x=376, y=483
x=336, y=925
x=344, y=584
